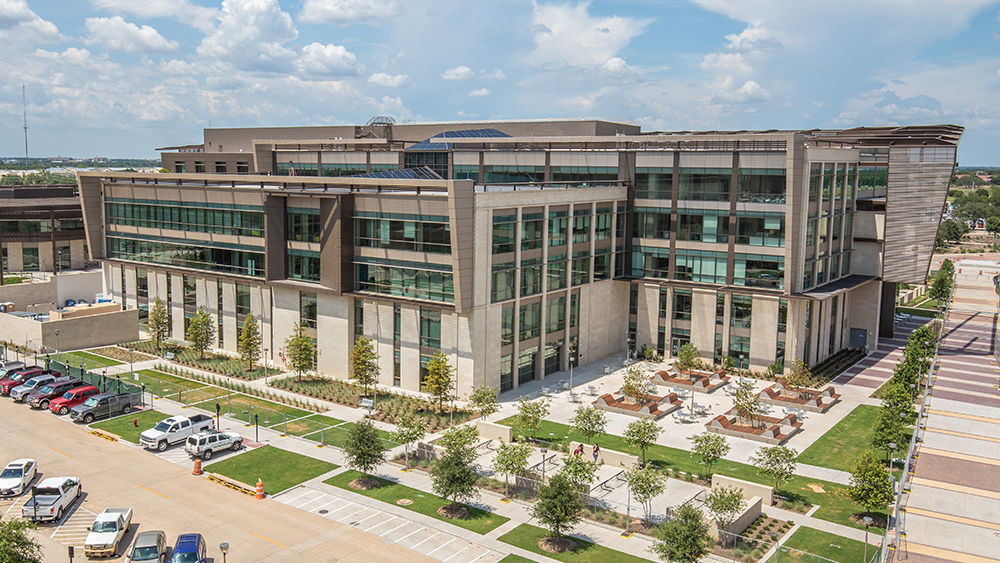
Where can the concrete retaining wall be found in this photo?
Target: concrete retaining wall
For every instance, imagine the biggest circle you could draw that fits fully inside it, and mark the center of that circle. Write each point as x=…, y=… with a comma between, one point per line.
x=492, y=431
x=749, y=489
x=750, y=513
x=606, y=457
x=56, y=290
x=74, y=333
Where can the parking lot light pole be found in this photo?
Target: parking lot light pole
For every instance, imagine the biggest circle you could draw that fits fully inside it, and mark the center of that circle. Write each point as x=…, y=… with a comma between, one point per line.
x=868, y=522
x=544, y=451
x=256, y=429
x=224, y=547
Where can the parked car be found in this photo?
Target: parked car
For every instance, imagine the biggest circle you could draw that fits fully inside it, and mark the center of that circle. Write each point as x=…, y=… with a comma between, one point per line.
x=204, y=444
x=72, y=398
x=17, y=377
x=174, y=430
x=52, y=497
x=10, y=367
x=103, y=405
x=16, y=477
x=190, y=548
x=40, y=398
x=107, y=532
x=22, y=391
x=150, y=545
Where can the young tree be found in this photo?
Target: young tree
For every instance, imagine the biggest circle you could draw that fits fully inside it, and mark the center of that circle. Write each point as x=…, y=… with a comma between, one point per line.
x=250, y=343
x=300, y=351
x=898, y=399
x=710, y=448
x=798, y=377
x=453, y=476
x=941, y=287
x=439, y=380
x=684, y=538
x=511, y=459
x=484, y=400
x=580, y=470
x=642, y=433
x=559, y=505
x=635, y=384
x=776, y=463
x=363, y=447
x=688, y=357
x=870, y=484
x=644, y=484
x=409, y=429
x=589, y=421
x=725, y=504
x=888, y=429
x=747, y=404
x=530, y=415
x=158, y=323
x=363, y=363
x=201, y=331
x=16, y=546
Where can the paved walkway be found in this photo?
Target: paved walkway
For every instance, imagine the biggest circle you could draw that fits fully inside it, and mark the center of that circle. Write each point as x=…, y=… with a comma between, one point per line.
x=952, y=512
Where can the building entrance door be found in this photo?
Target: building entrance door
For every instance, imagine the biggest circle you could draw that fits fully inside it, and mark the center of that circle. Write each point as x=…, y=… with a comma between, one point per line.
x=859, y=338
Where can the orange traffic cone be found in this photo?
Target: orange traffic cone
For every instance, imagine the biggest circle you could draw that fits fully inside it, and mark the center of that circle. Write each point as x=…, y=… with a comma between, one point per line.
x=197, y=466
x=260, y=490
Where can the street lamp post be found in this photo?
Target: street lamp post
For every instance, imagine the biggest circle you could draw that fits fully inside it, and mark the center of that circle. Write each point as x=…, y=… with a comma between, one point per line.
x=265, y=366
x=742, y=356
x=868, y=522
x=56, y=332
x=130, y=358
x=544, y=451
x=892, y=448
x=452, y=413
x=224, y=547
x=913, y=388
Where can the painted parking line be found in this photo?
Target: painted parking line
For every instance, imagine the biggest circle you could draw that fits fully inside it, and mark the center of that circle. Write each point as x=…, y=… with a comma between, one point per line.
x=410, y=534
x=439, y=547
x=425, y=540
x=391, y=518
x=452, y=556
x=394, y=529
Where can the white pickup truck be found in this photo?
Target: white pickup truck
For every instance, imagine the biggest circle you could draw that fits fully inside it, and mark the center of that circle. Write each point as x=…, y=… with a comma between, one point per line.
x=51, y=498
x=107, y=532
x=174, y=430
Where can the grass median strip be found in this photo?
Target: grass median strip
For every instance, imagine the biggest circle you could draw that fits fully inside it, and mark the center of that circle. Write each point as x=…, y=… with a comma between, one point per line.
x=89, y=361
x=816, y=542
x=527, y=536
x=479, y=521
x=125, y=429
x=278, y=469
x=832, y=498
x=843, y=444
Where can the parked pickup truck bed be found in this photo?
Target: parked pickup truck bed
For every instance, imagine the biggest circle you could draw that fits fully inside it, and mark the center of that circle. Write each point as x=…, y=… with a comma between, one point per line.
x=107, y=532
x=174, y=430
x=51, y=499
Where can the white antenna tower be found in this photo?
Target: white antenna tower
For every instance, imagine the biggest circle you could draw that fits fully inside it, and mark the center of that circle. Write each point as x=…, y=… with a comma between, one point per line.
x=24, y=107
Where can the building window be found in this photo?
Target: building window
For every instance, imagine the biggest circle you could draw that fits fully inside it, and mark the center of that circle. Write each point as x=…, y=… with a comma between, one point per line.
x=531, y=234
x=581, y=269
x=815, y=176
x=553, y=356
x=430, y=328
x=218, y=313
x=739, y=348
x=527, y=365
x=141, y=284
x=762, y=185
x=397, y=322
x=602, y=267
x=503, y=237
x=782, y=315
x=663, y=302
x=531, y=277
x=599, y=174
x=307, y=309
x=556, y=274
x=190, y=293
x=762, y=229
x=703, y=225
x=654, y=183
x=501, y=174
x=506, y=372
x=180, y=167
x=396, y=365
x=649, y=262
x=419, y=234
x=502, y=285
x=436, y=161
x=242, y=301
x=199, y=166
x=581, y=227
x=740, y=311
x=558, y=231
x=187, y=254
x=302, y=224
x=359, y=318
x=704, y=184
x=602, y=224
x=555, y=315
x=424, y=372
x=682, y=304
x=633, y=299
x=507, y=326
x=220, y=167
x=757, y=270
x=700, y=266
x=652, y=222
x=529, y=321
x=303, y=265
x=574, y=310
x=30, y=256
x=242, y=167
x=432, y=285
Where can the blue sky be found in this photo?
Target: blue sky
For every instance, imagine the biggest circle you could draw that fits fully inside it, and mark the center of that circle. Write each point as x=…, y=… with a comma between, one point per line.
x=121, y=77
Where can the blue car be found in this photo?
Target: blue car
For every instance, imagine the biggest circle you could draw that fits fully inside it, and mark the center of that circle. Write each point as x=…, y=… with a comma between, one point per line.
x=190, y=548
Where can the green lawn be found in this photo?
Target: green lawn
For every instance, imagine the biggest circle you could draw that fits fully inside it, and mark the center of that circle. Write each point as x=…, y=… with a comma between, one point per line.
x=843, y=444
x=310, y=427
x=515, y=559
x=243, y=407
x=816, y=542
x=11, y=280
x=479, y=521
x=526, y=537
x=277, y=468
x=123, y=427
x=90, y=361
x=163, y=384
x=835, y=504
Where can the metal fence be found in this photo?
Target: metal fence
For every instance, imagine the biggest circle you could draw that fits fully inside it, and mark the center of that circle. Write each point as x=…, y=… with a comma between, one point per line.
x=106, y=383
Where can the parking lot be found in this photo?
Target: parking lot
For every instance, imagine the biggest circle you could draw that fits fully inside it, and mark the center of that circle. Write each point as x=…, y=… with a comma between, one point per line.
x=166, y=496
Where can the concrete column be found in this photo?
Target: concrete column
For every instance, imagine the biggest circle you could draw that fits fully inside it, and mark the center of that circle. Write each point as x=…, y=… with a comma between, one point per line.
x=230, y=331
x=764, y=331
x=334, y=333
x=383, y=342
x=116, y=283
x=129, y=297
x=176, y=305
x=76, y=256
x=211, y=302
x=703, y=321
x=15, y=257
x=648, y=317
x=409, y=348
x=46, y=256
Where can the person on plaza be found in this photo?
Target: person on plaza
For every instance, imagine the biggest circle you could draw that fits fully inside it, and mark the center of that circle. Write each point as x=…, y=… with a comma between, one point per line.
x=597, y=451
x=578, y=451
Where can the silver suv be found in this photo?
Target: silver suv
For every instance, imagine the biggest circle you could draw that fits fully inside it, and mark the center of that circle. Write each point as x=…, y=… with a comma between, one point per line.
x=204, y=444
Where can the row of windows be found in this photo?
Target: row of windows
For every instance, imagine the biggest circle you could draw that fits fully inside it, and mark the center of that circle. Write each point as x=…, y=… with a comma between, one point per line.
x=220, y=167
x=44, y=226
x=186, y=217
x=700, y=184
x=504, y=282
x=753, y=228
x=302, y=224
x=405, y=282
x=751, y=270
x=505, y=230
x=303, y=265
x=417, y=236
x=210, y=259
x=529, y=319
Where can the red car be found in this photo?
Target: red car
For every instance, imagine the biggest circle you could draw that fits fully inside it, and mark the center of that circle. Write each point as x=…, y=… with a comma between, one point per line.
x=17, y=378
x=72, y=398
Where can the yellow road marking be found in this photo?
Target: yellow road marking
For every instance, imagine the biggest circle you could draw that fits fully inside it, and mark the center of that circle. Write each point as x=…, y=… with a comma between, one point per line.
x=951, y=517
x=57, y=451
x=265, y=539
x=965, y=416
x=956, y=455
x=964, y=435
x=946, y=554
x=956, y=488
x=154, y=492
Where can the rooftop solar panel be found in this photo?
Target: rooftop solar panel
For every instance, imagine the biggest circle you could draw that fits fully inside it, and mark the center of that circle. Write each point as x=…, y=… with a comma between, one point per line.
x=427, y=145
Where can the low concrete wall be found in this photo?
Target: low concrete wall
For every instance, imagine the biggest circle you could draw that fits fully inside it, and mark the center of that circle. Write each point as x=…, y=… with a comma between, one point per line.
x=56, y=290
x=492, y=431
x=750, y=513
x=606, y=457
x=75, y=333
x=749, y=489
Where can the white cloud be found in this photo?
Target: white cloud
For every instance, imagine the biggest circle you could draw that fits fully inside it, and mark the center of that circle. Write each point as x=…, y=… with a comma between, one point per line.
x=749, y=92
x=389, y=80
x=19, y=23
x=116, y=34
x=458, y=73
x=480, y=93
x=250, y=36
x=328, y=59
x=184, y=11
x=568, y=34
x=346, y=12
x=495, y=74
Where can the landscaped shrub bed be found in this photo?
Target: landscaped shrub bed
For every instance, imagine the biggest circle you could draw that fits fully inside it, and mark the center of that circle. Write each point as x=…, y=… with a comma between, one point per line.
x=755, y=541
x=390, y=405
x=122, y=355
x=215, y=363
x=240, y=388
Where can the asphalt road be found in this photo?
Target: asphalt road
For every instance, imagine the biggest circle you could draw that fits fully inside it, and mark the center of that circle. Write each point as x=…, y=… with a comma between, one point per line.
x=167, y=497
